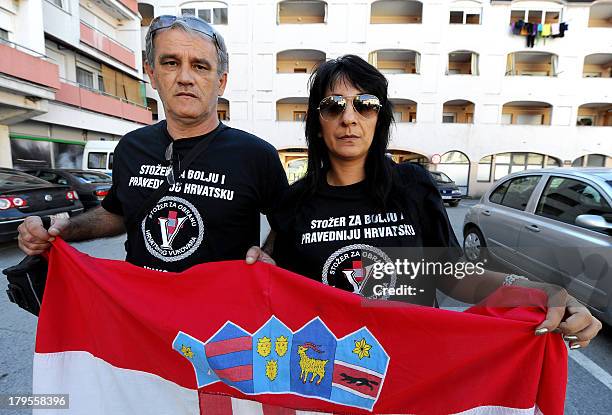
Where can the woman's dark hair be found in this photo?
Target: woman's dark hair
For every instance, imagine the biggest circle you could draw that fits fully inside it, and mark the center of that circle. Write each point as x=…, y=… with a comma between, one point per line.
x=365, y=77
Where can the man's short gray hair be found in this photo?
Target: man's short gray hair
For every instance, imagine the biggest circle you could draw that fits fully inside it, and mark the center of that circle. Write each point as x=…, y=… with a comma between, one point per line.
x=222, y=56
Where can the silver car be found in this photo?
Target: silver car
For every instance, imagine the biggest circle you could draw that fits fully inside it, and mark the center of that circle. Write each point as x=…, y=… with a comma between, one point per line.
x=552, y=225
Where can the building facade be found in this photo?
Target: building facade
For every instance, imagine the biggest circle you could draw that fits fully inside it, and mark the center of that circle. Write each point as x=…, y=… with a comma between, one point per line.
x=476, y=94
x=70, y=71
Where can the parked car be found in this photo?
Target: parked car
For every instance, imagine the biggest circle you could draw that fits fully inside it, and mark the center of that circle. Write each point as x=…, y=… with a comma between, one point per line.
x=92, y=186
x=23, y=195
x=446, y=186
x=552, y=225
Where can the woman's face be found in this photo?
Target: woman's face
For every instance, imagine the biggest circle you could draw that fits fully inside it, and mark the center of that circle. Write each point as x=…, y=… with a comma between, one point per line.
x=348, y=136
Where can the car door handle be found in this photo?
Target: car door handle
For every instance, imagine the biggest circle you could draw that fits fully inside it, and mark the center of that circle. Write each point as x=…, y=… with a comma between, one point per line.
x=532, y=228
x=486, y=212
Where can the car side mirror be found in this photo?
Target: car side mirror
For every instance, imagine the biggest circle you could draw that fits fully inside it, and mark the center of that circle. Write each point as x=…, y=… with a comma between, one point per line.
x=594, y=222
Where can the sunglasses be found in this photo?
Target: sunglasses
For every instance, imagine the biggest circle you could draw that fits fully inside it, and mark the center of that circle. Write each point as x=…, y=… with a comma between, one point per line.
x=333, y=106
x=171, y=165
x=195, y=23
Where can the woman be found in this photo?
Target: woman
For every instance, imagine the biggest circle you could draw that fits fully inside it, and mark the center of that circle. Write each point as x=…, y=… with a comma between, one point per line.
x=344, y=222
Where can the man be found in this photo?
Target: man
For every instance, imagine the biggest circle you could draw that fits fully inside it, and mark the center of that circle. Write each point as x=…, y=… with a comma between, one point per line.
x=211, y=212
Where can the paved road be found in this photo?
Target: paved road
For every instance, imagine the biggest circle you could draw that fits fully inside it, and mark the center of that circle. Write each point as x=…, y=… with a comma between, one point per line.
x=590, y=370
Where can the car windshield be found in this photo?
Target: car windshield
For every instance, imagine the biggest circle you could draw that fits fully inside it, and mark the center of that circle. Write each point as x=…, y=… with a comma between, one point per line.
x=609, y=183
x=441, y=177
x=16, y=179
x=90, y=177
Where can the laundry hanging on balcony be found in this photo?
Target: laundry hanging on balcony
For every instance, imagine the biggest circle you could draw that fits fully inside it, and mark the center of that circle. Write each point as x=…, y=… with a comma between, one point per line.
x=535, y=31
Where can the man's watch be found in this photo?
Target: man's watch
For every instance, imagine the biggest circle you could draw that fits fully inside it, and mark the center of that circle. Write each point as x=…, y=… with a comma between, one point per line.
x=511, y=279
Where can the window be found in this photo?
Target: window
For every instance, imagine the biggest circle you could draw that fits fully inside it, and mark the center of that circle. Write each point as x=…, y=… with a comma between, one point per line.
x=484, y=169
x=222, y=114
x=3, y=35
x=534, y=16
x=110, y=160
x=506, y=119
x=515, y=193
x=586, y=120
x=96, y=161
x=213, y=12
x=58, y=3
x=471, y=16
x=299, y=70
x=204, y=15
x=84, y=78
x=220, y=16
x=565, y=199
x=530, y=119
x=100, y=83
x=449, y=117
x=52, y=178
x=299, y=115
x=456, y=17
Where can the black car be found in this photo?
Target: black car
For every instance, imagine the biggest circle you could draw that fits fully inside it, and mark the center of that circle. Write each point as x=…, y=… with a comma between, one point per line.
x=448, y=189
x=91, y=186
x=23, y=195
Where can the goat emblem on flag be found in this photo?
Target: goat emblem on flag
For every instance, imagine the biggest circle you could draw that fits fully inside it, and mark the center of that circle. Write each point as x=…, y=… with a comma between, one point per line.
x=310, y=362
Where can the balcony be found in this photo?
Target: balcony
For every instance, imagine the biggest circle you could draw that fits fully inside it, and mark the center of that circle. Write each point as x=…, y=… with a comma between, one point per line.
x=597, y=65
x=301, y=12
x=130, y=4
x=74, y=94
x=98, y=40
x=595, y=115
x=531, y=64
x=396, y=61
x=292, y=109
x=404, y=110
x=601, y=15
x=458, y=111
x=462, y=62
x=23, y=63
x=298, y=60
x=526, y=113
x=396, y=12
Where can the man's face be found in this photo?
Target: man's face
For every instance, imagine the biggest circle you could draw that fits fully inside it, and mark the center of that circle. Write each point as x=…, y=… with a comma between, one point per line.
x=185, y=76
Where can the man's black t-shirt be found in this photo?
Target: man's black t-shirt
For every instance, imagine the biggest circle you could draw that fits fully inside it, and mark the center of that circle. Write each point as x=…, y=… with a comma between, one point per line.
x=211, y=213
x=340, y=237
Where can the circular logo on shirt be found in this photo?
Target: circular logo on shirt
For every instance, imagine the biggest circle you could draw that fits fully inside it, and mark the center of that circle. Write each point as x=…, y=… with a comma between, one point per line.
x=352, y=268
x=173, y=229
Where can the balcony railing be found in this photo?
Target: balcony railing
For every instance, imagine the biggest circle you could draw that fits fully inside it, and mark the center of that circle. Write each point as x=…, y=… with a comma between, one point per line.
x=24, y=63
x=96, y=39
x=83, y=97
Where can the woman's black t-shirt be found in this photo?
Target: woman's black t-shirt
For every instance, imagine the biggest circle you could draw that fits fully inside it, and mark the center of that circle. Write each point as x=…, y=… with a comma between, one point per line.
x=339, y=237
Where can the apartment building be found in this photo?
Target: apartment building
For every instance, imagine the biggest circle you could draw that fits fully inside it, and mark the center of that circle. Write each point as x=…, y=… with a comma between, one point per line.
x=475, y=94
x=70, y=71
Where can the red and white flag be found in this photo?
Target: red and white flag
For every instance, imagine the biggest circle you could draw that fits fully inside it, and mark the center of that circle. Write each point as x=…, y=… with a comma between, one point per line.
x=231, y=338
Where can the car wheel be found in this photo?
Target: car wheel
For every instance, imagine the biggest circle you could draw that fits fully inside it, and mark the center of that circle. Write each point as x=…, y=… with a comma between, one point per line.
x=454, y=203
x=474, y=245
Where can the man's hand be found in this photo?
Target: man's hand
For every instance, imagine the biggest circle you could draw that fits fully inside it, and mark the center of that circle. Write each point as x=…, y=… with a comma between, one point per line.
x=34, y=239
x=579, y=326
x=255, y=254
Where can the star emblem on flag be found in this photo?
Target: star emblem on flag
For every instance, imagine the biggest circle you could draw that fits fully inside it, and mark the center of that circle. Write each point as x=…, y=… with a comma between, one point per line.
x=362, y=348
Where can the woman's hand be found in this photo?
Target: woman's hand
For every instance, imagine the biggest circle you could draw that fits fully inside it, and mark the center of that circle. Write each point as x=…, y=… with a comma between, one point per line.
x=255, y=254
x=565, y=315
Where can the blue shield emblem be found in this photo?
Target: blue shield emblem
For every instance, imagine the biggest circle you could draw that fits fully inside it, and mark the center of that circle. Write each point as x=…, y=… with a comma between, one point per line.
x=229, y=354
x=359, y=370
x=312, y=360
x=193, y=350
x=271, y=357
